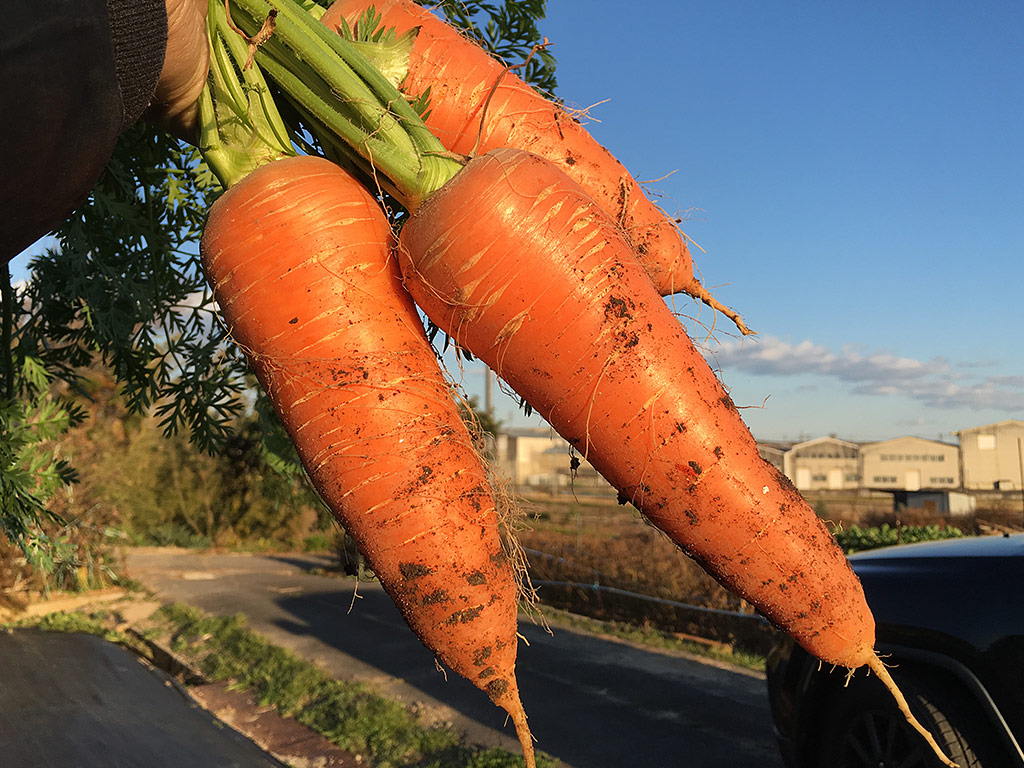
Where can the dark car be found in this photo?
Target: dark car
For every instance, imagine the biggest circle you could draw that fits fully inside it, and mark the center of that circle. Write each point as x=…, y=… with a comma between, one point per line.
x=950, y=623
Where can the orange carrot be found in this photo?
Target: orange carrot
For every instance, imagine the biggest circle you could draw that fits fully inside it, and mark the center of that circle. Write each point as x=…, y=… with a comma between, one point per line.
x=548, y=293
x=468, y=86
x=298, y=253
x=518, y=264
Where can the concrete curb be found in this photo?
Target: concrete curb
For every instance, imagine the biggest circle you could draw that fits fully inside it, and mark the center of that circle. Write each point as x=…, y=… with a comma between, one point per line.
x=44, y=606
x=287, y=740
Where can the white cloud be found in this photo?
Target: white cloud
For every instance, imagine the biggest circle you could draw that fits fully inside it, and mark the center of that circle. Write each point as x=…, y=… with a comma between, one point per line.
x=934, y=382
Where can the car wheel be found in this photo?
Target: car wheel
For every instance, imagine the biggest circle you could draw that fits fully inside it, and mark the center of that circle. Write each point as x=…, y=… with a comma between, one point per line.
x=864, y=729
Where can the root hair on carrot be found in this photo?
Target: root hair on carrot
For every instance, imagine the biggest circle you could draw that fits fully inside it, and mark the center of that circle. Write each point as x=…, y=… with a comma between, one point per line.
x=494, y=89
x=355, y=596
x=511, y=519
x=876, y=665
x=581, y=114
x=695, y=289
x=655, y=181
x=510, y=513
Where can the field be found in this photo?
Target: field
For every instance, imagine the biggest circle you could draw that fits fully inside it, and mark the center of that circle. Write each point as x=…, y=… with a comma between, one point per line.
x=594, y=557
x=599, y=559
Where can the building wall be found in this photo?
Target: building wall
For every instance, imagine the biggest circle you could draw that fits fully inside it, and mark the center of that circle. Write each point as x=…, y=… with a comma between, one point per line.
x=826, y=463
x=991, y=456
x=774, y=455
x=948, y=503
x=988, y=458
x=541, y=458
x=520, y=453
x=910, y=464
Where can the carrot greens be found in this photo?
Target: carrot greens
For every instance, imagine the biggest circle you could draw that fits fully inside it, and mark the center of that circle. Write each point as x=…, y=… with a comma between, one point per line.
x=240, y=126
x=347, y=96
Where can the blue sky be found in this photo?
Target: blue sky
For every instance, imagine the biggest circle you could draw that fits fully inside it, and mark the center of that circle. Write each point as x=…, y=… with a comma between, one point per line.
x=855, y=175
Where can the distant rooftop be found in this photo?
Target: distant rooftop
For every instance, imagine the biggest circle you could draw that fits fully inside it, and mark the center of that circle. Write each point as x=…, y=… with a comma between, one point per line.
x=528, y=431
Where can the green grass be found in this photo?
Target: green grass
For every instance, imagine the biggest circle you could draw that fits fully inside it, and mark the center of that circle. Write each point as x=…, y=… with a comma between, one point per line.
x=98, y=622
x=73, y=621
x=318, y=542
x=349, y=714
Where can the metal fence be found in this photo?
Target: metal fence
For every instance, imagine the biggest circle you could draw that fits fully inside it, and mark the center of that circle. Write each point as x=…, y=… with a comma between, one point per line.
x=651, y=599
x=740, y=629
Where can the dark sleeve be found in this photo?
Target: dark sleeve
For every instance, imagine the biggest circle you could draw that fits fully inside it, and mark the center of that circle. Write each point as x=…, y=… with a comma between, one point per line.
x=73, y=74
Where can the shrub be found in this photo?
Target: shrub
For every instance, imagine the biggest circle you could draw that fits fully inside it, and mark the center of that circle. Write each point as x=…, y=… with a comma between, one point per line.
x=856, y=539
x=170, y=493
x=172, y=535
x=318, y=542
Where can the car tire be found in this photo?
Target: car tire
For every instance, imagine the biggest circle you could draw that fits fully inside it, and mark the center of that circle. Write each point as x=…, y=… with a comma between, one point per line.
x=863, y=728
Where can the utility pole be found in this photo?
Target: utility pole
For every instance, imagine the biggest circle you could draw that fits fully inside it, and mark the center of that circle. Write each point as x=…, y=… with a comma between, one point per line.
x=1020, y=462
x=488, y=391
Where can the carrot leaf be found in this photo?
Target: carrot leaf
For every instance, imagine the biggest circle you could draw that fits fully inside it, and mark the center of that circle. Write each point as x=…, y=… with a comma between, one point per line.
x=380, y=45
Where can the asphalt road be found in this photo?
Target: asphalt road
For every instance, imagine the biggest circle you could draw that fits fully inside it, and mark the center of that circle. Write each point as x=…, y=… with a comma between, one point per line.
x=592, y=702
x=77, y=701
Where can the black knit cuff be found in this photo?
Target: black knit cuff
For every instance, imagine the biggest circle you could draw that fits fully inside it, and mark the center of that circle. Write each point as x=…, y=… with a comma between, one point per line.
x=138, y=31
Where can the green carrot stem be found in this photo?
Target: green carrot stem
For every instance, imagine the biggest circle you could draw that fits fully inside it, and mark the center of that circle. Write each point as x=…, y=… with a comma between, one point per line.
x=339, y=152
x=240, y=127
x=335, y=83
x=371, y=145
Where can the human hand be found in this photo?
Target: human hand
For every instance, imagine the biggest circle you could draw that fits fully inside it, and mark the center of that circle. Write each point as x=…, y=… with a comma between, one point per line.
x=175, y=105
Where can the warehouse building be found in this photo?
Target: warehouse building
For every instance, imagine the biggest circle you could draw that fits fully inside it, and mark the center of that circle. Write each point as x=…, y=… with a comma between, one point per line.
x=993, y=456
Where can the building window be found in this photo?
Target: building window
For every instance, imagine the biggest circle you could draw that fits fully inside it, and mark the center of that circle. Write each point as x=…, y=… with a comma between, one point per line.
x=941, y=480
x=884, y=479
x=986, y=442
x=819, y=478
x=912, y=457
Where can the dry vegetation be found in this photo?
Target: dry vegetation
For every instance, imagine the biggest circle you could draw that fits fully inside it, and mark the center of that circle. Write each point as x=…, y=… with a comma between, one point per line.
x=597, y=543
x=610, y=546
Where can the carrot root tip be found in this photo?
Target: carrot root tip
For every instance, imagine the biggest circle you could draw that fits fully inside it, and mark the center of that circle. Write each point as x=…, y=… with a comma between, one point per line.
x=524, y=736
x=697, y=291
x=876, y=665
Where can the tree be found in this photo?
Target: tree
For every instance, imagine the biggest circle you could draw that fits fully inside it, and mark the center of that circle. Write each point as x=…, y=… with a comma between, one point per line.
x=483, y=419
x=124, y=286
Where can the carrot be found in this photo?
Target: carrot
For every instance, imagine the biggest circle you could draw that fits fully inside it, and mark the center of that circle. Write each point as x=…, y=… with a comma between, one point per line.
x=546, y=291
x=299, y=256
x=476, y=104
x=519, y=265
x=298, y=253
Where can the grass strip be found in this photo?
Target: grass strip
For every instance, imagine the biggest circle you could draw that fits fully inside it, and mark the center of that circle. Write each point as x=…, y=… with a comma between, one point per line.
x=649, y=637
